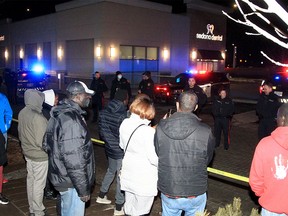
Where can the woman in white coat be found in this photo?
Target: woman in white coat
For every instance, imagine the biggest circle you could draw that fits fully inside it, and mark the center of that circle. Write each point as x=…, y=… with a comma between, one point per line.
x=139, y=166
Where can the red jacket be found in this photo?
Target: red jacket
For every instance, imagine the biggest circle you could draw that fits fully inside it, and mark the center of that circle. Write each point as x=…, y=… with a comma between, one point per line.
x=269, y=171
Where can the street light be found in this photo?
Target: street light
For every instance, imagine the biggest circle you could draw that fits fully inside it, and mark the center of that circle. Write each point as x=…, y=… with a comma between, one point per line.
x=234, y=55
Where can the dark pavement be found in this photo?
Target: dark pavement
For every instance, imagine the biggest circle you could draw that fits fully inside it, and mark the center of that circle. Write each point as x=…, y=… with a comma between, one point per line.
x=221, y=190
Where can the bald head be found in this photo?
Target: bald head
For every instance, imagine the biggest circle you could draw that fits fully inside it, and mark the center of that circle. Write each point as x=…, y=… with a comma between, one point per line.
x=282, y=116
x=187, y=101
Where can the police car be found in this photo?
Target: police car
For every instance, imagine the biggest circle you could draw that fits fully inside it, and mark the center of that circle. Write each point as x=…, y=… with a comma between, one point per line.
x=30, y=79
x=210, y=82
x=279, y=81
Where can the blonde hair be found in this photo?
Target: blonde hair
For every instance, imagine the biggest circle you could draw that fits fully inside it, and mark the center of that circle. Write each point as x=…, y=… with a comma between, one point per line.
x=143, y=106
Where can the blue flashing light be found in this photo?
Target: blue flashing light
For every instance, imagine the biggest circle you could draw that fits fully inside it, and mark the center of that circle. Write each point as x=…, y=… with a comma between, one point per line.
x=191, y=71
x=38, y=69
x=277, y=77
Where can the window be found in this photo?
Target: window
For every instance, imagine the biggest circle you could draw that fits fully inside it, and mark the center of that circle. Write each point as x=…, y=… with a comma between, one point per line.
x=138, y=58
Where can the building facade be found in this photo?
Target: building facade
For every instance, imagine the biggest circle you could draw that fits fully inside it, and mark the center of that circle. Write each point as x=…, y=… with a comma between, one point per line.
x=130, y=36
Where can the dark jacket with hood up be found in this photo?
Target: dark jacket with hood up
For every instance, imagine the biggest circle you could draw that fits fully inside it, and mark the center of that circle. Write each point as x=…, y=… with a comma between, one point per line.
x=110, y=120
x=68, y=144
x=185, y=147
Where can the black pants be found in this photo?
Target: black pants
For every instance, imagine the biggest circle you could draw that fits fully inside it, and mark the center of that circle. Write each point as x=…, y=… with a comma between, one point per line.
x=266, y=126
x=96, y=106
x=222, y=124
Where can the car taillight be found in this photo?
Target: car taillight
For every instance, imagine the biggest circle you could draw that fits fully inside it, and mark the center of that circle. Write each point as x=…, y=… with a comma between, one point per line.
x=158, y=88
x=260, y=89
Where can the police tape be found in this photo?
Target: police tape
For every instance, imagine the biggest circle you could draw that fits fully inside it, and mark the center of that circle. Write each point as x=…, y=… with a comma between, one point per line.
x=209, y=169
x=97, y=141
x=228, y=175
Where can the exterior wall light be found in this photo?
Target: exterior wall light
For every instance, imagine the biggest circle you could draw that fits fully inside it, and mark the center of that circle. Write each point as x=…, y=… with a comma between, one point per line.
x=112, y=52
x=6, y=54
x=60, y=53
x=165, y=54
x=98, y=51
x=193, y=54
x=21, y=53
x=39, y=53
x=223, y=54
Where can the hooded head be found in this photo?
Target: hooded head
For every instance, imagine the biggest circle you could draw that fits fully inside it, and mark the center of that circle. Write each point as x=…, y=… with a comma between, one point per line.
x=49, y=97
x=34, y=99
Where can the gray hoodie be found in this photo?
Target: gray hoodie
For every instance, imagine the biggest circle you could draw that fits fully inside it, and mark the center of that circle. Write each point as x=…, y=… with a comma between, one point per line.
x=32, y=126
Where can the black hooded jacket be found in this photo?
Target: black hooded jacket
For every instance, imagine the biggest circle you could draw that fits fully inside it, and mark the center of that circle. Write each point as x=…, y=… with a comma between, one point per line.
x=110, y=119
x=185, y=147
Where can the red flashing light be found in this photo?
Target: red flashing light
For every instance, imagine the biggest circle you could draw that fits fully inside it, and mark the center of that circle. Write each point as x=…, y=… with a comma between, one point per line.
x=261, y=89
x=157, y=88
x=168, y=93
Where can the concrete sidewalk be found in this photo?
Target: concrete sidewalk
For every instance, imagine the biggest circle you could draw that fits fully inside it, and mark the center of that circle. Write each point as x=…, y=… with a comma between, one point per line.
x=221, y=189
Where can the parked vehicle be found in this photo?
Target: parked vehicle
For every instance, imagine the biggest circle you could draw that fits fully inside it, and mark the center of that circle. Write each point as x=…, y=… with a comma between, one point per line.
x=27, y=79
x=210, y=82
x=279, y=81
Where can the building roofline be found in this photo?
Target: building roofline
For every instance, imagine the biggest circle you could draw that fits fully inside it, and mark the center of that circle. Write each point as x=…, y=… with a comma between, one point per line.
x=136, y=3
x=206, y=6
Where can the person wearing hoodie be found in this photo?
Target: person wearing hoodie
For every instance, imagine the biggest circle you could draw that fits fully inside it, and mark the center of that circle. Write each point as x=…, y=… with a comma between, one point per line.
x=269, y=169
x=185, y=147
x=31, y=129
x=110, y=119
x=51, y=100
x=71, y=155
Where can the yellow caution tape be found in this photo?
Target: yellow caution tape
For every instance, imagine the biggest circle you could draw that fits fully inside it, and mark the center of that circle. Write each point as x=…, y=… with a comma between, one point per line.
x=227, y=174
x=97, y=141
x=209, y=169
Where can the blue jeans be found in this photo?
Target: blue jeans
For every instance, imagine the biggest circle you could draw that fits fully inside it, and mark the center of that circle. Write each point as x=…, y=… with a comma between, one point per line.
x=265, y=212
x=114, y=166
x=174, y=207
x=71, y=205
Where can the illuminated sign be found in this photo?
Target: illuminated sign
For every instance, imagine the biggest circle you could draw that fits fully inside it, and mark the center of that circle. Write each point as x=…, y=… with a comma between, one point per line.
x=2, y=38
x=209, y=35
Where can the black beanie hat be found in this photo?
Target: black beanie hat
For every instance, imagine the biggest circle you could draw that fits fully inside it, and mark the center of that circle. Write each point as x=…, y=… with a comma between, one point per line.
x=121, y=95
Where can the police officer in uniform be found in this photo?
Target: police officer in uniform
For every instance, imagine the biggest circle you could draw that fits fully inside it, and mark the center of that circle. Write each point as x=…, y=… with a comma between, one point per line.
x=99, y=86
x=146, y=86
x=222, y=110
x=120, y=83
x=193, y=87
x=266, y=109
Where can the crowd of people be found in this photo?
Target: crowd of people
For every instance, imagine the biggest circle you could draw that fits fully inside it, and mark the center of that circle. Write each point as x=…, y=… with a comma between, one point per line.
x=169, y=157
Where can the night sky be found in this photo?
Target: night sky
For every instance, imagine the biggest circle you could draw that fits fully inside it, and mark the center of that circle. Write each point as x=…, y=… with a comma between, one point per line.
x=248, y=47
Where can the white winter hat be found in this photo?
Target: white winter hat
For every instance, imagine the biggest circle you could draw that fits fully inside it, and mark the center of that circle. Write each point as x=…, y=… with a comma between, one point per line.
x=49, y=97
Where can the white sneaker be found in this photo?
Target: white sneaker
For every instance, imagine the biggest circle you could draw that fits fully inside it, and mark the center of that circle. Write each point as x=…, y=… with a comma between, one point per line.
x=117, y=213
x=103, y=200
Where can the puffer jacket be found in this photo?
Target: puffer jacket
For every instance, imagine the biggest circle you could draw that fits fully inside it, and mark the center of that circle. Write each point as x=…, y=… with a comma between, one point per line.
x=110, y=119
x=6, y=114
x=185, y=147
x=32, y=126
x=70, y=150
